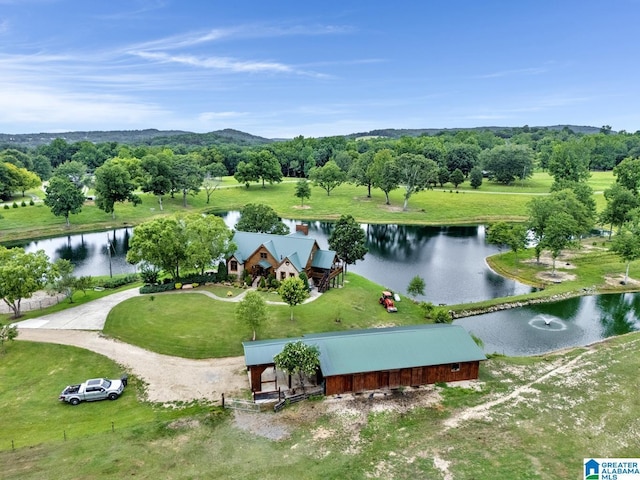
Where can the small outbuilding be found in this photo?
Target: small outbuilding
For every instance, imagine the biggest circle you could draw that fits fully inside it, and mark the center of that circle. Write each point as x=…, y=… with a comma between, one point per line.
x=379, y=358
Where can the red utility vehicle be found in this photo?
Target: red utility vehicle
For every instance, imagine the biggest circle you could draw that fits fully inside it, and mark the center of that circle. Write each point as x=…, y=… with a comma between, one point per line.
x=386, y=300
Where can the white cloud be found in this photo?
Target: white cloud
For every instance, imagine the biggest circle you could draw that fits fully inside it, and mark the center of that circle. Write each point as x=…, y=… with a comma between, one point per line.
x=209, y=116
x=518, y=72
x=219, y=63
x=38, y=107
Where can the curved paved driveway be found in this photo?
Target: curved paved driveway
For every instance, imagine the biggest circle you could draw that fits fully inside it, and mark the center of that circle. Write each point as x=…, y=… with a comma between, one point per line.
x=88, y=316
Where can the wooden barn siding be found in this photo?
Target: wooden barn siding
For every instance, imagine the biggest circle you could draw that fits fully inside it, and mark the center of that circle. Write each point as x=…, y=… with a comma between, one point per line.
x=256, y=376
x=405, y=377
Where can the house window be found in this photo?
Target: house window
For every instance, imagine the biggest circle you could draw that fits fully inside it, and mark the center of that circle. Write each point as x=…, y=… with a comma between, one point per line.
x=291, y=274
x=287, y=263
x=283, y=275
x=455, y=367
x=263, y=255
x=233, y=266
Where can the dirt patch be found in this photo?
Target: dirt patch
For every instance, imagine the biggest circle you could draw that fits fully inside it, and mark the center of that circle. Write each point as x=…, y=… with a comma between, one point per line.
x=360, y=405
x=557, y=277
x=267, y=425
x=391, y=208
x=562, y=261
x=442, y=465
x=524, y=393
x=301, y=207
x=617, y=280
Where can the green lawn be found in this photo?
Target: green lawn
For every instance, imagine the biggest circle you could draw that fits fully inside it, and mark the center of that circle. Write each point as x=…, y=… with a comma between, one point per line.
x=584, y=410
x=33, y=375
x=193, y=325
x=490, y=203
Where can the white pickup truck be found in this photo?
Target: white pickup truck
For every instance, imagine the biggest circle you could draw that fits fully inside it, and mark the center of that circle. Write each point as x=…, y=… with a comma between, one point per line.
x=93, y=389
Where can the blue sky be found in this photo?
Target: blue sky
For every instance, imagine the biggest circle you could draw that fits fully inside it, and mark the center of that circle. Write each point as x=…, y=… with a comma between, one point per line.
x=284, y=68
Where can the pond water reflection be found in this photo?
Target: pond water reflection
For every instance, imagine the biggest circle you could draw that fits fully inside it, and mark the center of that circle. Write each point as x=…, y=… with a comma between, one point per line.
x=451, y=260
x=91, y=253
x=542, y=328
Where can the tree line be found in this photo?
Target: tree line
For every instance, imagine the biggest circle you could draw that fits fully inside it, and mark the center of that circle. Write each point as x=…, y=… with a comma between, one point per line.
x=506, y=154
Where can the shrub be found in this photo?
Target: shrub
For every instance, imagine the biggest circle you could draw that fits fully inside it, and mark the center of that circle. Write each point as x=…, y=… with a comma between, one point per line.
x=31, y=202
x=442, y=316
x=119, y=281
x=178, y=286
x=6, y=207
x=165, y=287
x=263, y=283
x=23, y=204
x=305, y=279
x=427, y=309
x=149, y=273
x=222, y=271
x=15, y=205
x=197, y=279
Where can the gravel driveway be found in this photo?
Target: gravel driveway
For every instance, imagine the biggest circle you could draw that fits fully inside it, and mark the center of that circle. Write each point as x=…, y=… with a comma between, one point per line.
x=168, y=379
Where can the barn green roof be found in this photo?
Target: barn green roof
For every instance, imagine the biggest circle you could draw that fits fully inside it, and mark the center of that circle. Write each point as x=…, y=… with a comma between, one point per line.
x=360, y=351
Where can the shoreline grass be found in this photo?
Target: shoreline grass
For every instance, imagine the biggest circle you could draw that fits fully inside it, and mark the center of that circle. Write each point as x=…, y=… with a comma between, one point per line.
x=464, y=206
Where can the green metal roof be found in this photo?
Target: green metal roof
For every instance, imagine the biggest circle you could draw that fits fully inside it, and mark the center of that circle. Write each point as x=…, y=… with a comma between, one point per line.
x=261, y=352
x=295, y=260
x=323, y=259
x=296, y=247
x=376, y=349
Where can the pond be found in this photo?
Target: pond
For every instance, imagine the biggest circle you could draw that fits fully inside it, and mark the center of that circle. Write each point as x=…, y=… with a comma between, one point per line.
x=451, y=260
x=543, y=328
x=92, y=254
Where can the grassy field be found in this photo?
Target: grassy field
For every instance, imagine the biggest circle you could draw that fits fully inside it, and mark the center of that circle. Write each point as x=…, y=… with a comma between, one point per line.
x=211, y=329
x=490, y=203
x=533, y=417
x=31, y=412
x=527, y=418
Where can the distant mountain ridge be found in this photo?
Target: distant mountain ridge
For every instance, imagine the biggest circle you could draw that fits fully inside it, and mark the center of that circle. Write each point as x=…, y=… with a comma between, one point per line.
x=149, y=136
x=166, y=137
x=416, y=132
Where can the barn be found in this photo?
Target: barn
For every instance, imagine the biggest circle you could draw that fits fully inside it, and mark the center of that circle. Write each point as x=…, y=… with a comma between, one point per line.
x=379, y=358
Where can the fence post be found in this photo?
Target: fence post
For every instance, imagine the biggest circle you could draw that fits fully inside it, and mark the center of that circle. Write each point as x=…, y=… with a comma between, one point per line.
x=223, y=400
x=112, y=427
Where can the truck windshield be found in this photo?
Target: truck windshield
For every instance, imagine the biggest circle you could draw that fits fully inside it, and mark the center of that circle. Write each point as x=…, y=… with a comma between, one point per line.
x=106, y=383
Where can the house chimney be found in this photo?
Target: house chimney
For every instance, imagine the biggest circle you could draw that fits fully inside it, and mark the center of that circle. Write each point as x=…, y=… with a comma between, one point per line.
x=302, y=227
